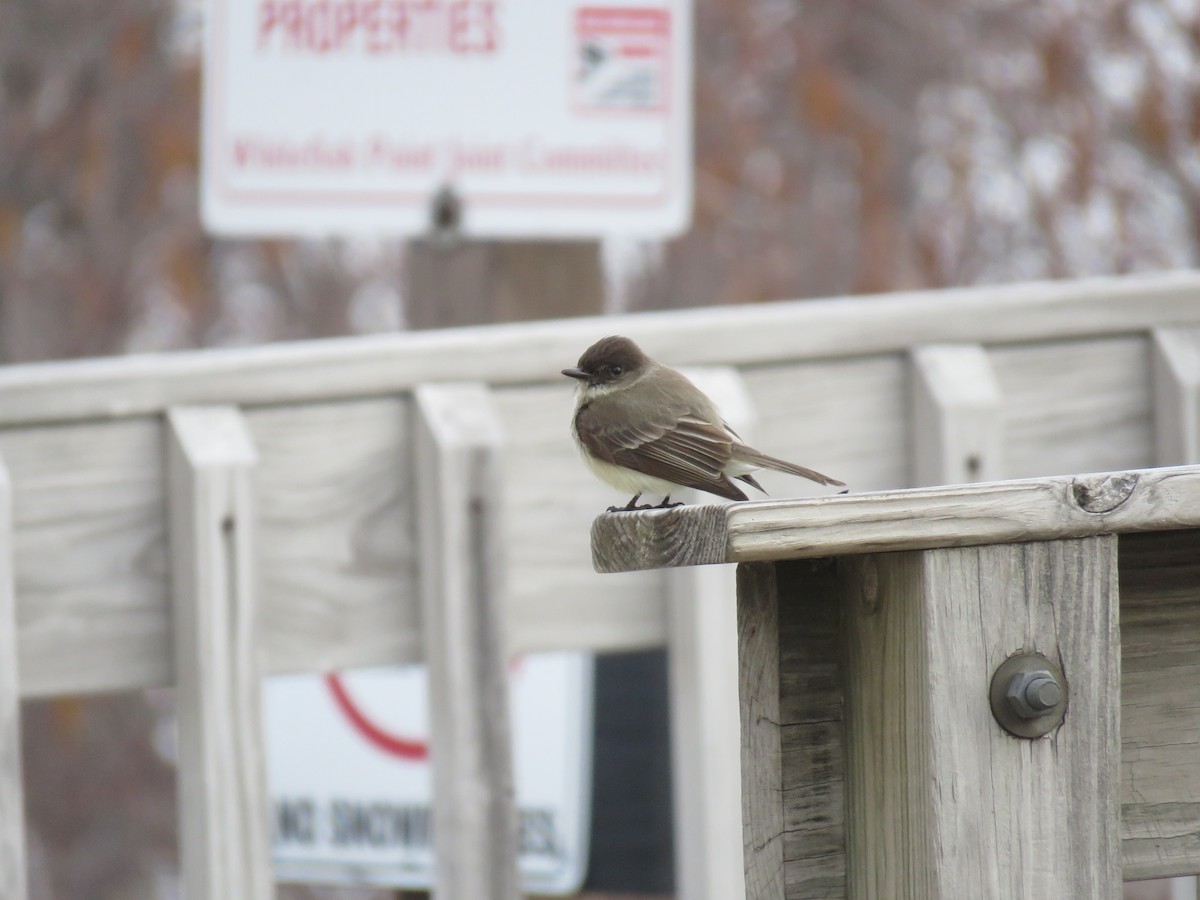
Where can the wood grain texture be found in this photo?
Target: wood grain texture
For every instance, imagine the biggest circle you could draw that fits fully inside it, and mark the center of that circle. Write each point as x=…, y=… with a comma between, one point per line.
x=996, y=512
x=660, y=538
x=223, y=820
x=942, y=803
x=1175, y=354
x=457, y=481
x=811, y=716
x=337, y=543
x=845, y=416
x=336, y=548
x=101, y=622
x=890, y=824
x=922, y=518
x=12, y=804
x=957, y=416
x=770, y=332
x=702, y=656
x=758, y=688
x=1160, y=704
x=1075, y=406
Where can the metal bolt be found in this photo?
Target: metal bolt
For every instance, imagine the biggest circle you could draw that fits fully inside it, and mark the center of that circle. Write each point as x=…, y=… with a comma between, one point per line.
x=1030, y=694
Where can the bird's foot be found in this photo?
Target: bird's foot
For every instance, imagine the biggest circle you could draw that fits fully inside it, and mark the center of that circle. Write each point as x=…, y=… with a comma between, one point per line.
x=631, y=506
x=667, y=504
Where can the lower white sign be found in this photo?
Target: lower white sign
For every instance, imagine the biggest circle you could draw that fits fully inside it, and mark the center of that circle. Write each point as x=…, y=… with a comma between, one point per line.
x=351, y=785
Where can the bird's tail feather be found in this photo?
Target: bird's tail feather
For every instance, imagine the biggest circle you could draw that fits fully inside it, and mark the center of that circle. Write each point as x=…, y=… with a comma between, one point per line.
x=755, y=458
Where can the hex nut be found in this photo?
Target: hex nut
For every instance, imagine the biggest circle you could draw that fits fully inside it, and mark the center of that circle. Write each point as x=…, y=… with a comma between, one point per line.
x=1028, y=695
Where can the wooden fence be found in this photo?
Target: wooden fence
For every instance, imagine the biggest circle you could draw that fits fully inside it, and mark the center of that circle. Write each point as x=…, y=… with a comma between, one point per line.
x=889, y=747
x=204, y=519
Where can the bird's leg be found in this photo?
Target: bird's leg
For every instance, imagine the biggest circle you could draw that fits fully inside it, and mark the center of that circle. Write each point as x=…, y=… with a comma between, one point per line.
x=667, y=504
x=628, y=507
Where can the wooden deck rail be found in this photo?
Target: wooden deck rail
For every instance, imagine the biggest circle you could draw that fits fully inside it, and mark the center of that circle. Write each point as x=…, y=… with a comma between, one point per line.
x=869, y=630
x=299, y=474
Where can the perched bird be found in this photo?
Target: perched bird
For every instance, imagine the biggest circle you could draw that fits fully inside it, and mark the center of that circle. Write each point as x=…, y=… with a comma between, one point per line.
x=643, y=427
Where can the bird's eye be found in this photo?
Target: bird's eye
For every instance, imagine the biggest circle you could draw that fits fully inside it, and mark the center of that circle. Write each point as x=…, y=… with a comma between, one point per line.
x=617, y=370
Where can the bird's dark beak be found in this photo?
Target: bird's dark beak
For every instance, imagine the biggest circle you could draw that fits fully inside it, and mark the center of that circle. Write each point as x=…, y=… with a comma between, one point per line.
x=576, y=373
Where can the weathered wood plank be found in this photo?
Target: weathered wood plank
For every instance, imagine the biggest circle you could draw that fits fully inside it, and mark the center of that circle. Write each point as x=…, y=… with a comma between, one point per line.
x=1176, y=367
x=100, y=623
x=769, y=332
x=890, y=840
x=702, y=656
x=458, y=440
x=996, y=512
x=1160, y=704
x=922, y=518
x=12, y=804
x=812, y=730
x=957, y=416
x=337, y=545
x=758, y=688
x=834, y=415
x=1075, y=406
x=223, y=822
x=942, y=803
x=658, y=539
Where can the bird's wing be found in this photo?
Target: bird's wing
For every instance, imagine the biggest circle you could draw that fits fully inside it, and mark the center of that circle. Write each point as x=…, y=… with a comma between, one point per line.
x=677, y=445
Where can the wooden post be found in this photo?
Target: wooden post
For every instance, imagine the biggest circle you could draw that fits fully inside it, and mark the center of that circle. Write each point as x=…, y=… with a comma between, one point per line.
x=1160, y=704
x=812, y=729
x=793, y=772
x=957, y=425
x=1176, y=367
x=705, y=744
x=476, y=283
x=12, y=805
x=933, y=590
x=942, y=803
x=223, y=806
x=703, y=661
x=758, y=686
x=458, y=439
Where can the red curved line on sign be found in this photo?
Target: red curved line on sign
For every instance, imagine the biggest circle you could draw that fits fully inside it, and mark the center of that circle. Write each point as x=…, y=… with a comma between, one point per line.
x=383, y=740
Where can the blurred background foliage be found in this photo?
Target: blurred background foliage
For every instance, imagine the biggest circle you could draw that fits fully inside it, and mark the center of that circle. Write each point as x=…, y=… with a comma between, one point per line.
x=840, y=148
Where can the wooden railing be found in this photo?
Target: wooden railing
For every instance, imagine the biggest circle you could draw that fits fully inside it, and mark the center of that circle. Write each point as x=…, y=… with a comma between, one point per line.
x=886, y=752
x=289, y=489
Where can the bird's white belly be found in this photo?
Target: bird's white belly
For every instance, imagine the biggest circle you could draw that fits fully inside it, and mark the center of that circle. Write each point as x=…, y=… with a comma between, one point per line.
x=629, y=481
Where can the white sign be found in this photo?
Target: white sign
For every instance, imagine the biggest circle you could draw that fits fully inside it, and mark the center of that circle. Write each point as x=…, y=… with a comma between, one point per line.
x=347, y=762
x=545, y=118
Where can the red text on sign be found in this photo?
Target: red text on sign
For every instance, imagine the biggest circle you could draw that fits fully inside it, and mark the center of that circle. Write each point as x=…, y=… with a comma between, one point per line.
x=377, y=27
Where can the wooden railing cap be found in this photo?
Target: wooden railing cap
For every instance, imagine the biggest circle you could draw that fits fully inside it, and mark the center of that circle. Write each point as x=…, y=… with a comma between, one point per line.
x=1063, y=506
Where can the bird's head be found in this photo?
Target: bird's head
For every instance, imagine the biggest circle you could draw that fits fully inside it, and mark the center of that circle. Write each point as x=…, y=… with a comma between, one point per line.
x=608, y=364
